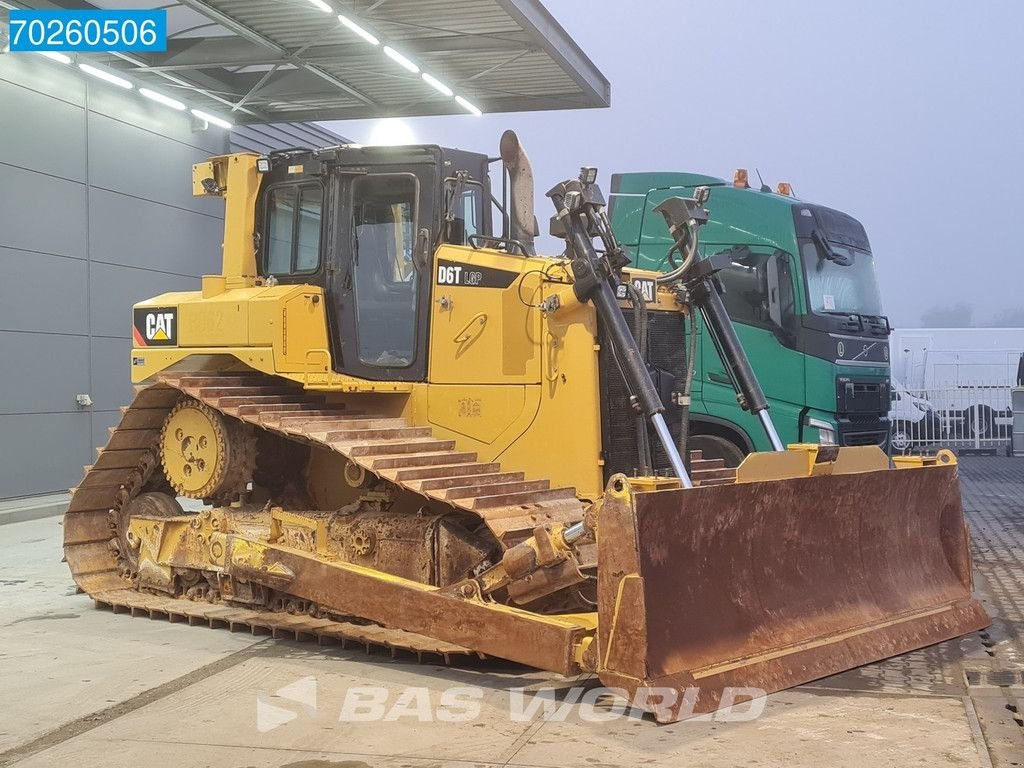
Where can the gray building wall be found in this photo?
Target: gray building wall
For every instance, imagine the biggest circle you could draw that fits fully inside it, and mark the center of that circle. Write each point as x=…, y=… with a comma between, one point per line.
x=96, y=213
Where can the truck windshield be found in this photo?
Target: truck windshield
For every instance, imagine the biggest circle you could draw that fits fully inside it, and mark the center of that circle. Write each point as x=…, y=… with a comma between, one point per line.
x=833, y=287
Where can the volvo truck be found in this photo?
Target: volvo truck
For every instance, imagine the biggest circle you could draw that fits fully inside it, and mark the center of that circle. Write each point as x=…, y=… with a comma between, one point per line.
x=802, y=292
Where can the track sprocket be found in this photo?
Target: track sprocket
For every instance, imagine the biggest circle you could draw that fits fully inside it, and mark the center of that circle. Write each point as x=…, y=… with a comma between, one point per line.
x=204, y=455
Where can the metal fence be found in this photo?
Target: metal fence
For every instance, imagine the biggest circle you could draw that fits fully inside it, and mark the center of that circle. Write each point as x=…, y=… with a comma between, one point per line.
x=975, y=416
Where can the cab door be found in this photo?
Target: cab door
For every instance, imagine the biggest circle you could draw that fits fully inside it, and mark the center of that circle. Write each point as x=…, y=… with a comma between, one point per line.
x=758, y=292
x=380, y=273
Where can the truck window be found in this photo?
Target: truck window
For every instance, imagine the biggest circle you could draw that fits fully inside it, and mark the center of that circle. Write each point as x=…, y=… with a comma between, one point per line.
x=746, y=287
x=292, y=229
x=384, y=227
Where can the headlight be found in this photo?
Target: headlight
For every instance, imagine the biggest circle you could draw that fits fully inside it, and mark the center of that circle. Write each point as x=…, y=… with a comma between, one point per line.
x=826, y=430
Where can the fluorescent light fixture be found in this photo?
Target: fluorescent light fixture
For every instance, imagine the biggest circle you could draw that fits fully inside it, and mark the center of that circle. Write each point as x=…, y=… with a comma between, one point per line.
x=167, y=101
x=322, y=6
x=358, y=30
x=400, y=59
x=468, y=106
x=56, y=56
x=102, y=74
x=211, y=119
x=436, y=84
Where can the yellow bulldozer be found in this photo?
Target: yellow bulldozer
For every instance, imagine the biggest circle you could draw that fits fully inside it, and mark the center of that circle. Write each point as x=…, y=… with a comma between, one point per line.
x=406, y=429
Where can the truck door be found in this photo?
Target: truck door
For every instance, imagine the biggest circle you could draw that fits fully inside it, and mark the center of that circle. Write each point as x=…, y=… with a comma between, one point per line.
x=759, y=294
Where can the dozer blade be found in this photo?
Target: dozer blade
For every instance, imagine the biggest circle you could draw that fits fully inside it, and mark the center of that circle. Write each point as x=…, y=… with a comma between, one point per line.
x=766, y=585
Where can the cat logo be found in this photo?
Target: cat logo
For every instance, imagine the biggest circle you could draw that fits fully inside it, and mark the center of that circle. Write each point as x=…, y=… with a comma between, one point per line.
x=646, y=288
x=155, y=327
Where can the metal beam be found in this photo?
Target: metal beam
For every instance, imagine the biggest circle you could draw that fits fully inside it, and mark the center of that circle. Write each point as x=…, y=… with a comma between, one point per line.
x=210, y=91
x=512, y=103
x=253, y=36
x=552, y=38
x=211, y=53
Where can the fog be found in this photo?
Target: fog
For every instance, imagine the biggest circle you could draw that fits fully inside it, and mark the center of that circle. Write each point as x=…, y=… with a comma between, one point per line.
x=906, y=115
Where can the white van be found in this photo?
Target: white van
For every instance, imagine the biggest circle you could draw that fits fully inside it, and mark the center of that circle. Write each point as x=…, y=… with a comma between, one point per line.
x=914, y=420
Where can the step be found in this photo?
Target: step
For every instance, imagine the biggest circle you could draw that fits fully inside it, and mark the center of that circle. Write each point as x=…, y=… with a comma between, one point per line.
x=282, y=418
x=419, y=460
x=376, y=431
x=294, y=398
x=725, y=473
x=389, y=448
x=258, y=409
x=701, y=464
x=319, y=429
x=495, y=489
x=458, y=481
x=199, y=381
x=214, y=393
x=443, y=471
x=525, y=498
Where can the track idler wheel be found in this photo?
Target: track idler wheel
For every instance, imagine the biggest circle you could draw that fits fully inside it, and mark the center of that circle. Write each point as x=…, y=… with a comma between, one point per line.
x=206, y=455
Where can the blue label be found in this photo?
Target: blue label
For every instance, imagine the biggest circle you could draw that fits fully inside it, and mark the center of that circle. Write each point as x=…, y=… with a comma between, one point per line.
x=71, y=31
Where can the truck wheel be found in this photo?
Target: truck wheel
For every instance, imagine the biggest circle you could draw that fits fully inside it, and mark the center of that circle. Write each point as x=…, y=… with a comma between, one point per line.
x=715, y=447
x=900, y=439
x=980, y=422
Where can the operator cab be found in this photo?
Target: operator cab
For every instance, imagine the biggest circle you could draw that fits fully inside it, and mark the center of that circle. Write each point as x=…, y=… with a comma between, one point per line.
x=363, y=223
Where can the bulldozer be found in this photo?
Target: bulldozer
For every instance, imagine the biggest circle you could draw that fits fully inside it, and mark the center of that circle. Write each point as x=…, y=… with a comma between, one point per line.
x=394, y=424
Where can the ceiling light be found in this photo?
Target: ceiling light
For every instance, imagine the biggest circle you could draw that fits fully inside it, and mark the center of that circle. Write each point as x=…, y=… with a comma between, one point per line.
x=436, y=84
x=467, y=106
x=358, y=30
x=102, y=74
x=165, y=100
x=322, y=6
x=212, y=119
x=56, y=56
x=400, y=59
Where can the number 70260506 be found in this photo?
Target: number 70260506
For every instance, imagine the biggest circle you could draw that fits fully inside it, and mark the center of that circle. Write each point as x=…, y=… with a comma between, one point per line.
x=96, y=30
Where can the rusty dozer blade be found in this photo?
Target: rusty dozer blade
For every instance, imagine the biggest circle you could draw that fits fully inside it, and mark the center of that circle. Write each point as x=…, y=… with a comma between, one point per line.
x=771, y=584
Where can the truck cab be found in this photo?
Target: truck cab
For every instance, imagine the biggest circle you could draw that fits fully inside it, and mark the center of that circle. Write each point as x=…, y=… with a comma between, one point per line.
x=802, y=293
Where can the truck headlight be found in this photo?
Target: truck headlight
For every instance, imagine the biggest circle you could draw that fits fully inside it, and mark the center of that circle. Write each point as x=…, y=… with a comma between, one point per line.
x=826, y=430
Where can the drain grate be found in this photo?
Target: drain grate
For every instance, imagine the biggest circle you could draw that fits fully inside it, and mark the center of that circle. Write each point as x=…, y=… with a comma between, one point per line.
x=998, y=678
x=1004, y=678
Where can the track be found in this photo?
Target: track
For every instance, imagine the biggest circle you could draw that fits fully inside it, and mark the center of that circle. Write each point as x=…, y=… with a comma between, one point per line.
x=407, y=456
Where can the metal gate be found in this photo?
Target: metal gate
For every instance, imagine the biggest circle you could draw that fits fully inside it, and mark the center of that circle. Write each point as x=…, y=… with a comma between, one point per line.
x=976, y=416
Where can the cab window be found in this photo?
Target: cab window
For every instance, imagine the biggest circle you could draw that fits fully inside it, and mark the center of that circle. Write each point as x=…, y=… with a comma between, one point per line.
x=386, y=280
x=472, y=202
x=746, y=287
x=292, y=231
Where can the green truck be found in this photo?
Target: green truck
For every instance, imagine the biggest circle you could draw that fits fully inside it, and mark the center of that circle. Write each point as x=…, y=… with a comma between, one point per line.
x=802, y=293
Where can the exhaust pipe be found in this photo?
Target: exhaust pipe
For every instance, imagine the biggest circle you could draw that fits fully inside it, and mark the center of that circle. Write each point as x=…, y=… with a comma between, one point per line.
x=523, y=221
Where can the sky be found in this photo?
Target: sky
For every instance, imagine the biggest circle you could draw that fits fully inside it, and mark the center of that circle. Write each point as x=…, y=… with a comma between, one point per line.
x=907, y=115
